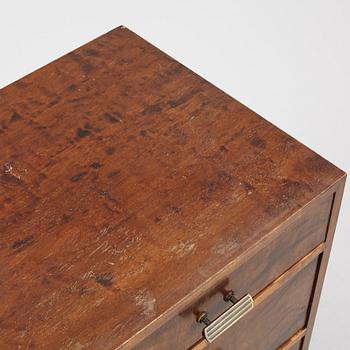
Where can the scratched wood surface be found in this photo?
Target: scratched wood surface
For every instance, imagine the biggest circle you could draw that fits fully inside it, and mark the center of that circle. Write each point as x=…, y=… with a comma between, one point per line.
x=125, y=181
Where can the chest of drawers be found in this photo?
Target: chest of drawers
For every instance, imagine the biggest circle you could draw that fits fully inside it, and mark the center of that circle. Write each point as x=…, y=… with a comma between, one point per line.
x=143, y=208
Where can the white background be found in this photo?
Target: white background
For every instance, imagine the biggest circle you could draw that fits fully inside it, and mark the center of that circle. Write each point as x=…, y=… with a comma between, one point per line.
x=287, y=60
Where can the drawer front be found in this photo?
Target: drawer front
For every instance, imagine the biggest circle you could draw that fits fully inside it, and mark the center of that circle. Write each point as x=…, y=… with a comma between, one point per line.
x=298, y=236
x=281, y=311
x=276, y=319
x=269, y=325
x=295, y=239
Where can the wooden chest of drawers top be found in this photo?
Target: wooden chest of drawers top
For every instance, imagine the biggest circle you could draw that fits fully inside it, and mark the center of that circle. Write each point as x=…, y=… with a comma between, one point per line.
x=127, y=183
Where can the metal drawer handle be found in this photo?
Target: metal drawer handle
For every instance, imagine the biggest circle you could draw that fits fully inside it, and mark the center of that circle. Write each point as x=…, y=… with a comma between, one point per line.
x=228, y=318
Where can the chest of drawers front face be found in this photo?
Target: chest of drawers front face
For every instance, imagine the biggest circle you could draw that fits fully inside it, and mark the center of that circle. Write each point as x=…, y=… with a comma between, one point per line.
x=281, y=277
x=276, y=317
x=134, y=194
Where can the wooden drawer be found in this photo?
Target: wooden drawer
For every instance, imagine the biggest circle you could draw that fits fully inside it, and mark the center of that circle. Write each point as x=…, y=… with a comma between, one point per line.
x=276, y=319
x=294, y=240
x=281, y=310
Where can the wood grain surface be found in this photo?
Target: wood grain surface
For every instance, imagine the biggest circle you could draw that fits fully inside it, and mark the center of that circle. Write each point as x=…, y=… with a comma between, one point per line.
x=126, y=183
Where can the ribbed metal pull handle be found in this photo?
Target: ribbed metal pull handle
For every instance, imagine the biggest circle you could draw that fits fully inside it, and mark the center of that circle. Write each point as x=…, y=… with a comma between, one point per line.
x=228, y=318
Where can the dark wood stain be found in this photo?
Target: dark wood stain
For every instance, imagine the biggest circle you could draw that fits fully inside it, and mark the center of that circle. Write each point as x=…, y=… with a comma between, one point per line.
x=110, y=150
x=258, y=142
x=113, y=173
x=79, y=176
x=95, y=165
x=153, y=109
x=105, y=280
x=138, y=195
x=90, y=52
x=23, y=243
x=83, y=132
x=15, y=117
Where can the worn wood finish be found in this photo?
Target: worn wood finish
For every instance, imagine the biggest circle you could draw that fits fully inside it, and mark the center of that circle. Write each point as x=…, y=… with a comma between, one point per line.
x=129, y=184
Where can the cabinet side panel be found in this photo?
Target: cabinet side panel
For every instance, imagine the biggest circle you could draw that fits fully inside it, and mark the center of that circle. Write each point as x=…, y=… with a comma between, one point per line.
x=338, y=194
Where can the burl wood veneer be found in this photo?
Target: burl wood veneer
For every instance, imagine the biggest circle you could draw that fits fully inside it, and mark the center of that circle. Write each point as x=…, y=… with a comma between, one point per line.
x=134, y=195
